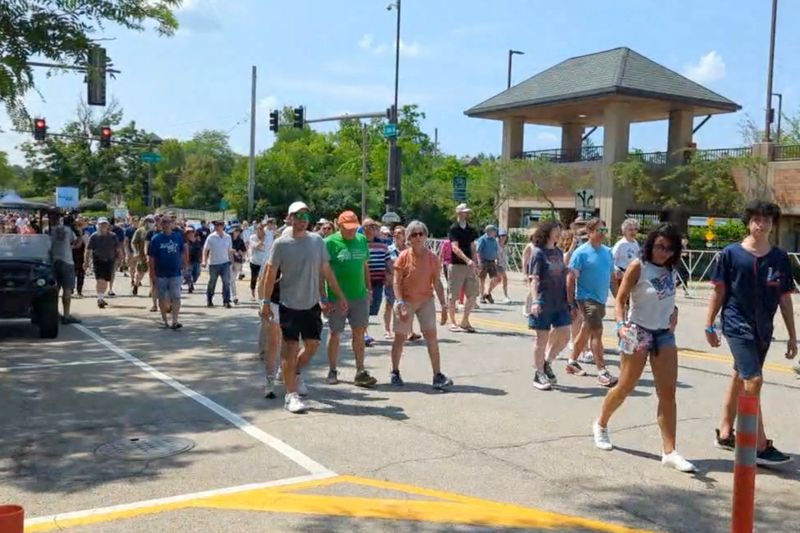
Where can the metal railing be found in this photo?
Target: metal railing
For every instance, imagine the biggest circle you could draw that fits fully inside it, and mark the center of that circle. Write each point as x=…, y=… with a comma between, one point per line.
x=697, y=265
x=721, y=153
x=655, y=159
x=557, y=155
x=786, y=152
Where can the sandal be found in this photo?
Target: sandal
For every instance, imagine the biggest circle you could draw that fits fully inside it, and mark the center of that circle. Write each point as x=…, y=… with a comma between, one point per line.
x=455, y=329
x=388, y=336
x=468, y=328
x=414, y=337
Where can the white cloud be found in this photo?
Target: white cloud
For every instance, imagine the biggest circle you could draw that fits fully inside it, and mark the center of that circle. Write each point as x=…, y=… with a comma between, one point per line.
x=268, y=103
x=545, y=138
x=366, y=42
x=410, y=50
x=709, y=68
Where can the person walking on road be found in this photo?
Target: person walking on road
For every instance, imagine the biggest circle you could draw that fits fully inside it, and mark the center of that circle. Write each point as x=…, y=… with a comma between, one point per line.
x=168, y=256
x=79, y=257
x=348, y=252
x=260, y=244
x=648, y=331
x=502, y=265
x=62, y=239
x=415, y=281
x=549, y=313
x=380, y=268
x=463, y=269
x=626, y=249
x=194, y=248
x=752, y=279
x=239, y=254
x=104, y=251
x=269, y=331
x=139, y=245
x=588, y=285
x=218, y=254
x=302, y=259
x=488, y=250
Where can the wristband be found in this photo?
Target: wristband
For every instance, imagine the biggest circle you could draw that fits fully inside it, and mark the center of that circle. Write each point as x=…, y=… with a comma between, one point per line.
x=400, y=302
x=323, y=300
x=711, y=329
x=537, y=302
x=265, y=302
x=620, y=325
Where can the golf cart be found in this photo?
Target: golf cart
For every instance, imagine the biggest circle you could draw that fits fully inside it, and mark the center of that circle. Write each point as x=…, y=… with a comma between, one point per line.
x=27, y=285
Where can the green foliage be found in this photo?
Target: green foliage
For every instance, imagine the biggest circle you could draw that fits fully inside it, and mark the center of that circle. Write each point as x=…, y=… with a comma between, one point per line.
x=62, y=31
x=732, y=230
x=701, y=186
x=92, y=204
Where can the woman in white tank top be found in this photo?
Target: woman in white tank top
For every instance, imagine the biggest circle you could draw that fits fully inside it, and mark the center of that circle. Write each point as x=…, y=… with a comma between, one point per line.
x=650, y=283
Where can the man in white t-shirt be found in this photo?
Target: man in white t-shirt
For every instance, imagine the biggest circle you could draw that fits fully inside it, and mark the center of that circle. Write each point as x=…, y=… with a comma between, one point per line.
x=626, y=249
x=61, y=240
x=218, y=254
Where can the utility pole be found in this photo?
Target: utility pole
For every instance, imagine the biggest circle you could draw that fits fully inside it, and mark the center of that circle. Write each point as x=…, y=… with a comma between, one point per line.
x=364, y=152
x=251, y=163
x=510, y=55
x=768, y=120
x=393, y=172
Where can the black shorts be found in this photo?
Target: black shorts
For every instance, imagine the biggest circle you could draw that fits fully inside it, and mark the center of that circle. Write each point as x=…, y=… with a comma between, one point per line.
x=103, y=269
x=305, y=323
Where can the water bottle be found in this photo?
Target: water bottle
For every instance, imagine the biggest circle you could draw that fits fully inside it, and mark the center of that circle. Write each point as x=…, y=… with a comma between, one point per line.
x=629, y=342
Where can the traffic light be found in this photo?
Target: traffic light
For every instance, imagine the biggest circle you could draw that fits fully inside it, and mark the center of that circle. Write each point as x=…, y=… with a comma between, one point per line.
x=96, y=76
x=273, y=120
x=299, y=119
x=105, y=137
x=39, y=129
x=391, y=114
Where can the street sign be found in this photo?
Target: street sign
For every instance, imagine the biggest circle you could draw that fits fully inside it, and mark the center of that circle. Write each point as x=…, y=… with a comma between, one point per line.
x=390, y=130
x=67, y=197
x=150, y=157
x=223, y=204
x=584, y=200
x=121, y=213
x=391, y=217
x=460, y=188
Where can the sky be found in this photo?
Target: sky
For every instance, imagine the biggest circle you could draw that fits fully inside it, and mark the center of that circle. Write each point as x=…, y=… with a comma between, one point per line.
x=337, y=56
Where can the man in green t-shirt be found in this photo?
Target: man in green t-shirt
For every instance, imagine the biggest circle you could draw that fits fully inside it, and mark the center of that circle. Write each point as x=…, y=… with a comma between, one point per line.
x=349, y=254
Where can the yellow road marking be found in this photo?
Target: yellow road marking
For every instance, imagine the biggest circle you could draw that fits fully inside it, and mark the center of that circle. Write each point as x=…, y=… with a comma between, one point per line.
x=683, y=352
x=446, y=508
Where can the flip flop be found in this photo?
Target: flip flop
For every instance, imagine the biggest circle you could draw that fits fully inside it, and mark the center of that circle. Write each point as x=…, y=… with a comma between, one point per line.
x=388, y=336
x=176, y=325
x=467, y=329
x=456, y=329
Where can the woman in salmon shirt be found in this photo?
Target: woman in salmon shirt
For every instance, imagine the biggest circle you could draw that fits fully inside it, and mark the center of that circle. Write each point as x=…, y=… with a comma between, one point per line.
x=416, y=277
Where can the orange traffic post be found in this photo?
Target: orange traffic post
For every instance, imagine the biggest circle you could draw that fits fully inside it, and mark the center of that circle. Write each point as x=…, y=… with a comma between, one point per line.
x=744, y=470
x=12, y=519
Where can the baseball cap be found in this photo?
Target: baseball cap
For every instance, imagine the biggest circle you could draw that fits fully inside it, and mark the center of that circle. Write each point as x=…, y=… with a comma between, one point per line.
x=348, y=220
x=297, y=206
x=490, y=227
x=385, y=229
x=149, y=218
x=502, y=232
x=462, y=208
x=102, y=220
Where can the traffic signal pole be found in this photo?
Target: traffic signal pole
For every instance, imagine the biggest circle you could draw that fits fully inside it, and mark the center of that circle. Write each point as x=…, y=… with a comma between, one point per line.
x=251, y=163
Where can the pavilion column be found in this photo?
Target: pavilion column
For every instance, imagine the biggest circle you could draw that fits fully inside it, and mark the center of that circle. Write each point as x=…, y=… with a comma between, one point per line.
x=571, y=141
x=513, y=137
x=681, y=124
x=616, y=137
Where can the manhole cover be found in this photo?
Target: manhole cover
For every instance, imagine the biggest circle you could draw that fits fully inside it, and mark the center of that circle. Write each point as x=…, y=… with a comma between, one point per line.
x=145, y=448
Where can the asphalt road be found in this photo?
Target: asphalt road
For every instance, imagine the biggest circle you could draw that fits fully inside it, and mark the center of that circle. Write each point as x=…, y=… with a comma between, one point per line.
x=494, y=453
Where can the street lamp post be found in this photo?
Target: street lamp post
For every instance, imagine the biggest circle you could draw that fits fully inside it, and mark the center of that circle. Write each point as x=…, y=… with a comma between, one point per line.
x=393, y=172
x=510, y=55
x=780, y=112
x=769, y=70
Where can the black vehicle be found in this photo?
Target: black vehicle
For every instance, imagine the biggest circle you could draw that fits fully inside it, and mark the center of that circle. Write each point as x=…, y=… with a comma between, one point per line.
x=27, y=285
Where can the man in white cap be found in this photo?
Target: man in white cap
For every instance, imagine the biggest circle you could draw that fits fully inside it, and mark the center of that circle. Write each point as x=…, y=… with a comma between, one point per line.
x=104, y=250
x=463, y=269
x=302, y=258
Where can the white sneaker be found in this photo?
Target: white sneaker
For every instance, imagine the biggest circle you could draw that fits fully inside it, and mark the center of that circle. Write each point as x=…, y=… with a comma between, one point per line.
x=506, y=301
x=302, y=390
x=294, y=404
x=601, y=437
x=269, y=388
x=676, y=461
x=587, y=358
x=279, y=375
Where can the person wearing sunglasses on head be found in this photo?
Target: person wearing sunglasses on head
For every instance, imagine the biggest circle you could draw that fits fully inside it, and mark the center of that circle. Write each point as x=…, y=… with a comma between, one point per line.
x=649, y=332
x=588, y=283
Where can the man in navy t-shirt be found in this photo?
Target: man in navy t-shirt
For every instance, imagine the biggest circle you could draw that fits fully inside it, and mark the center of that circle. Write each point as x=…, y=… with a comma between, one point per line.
x=168, y=256
x=751, y=280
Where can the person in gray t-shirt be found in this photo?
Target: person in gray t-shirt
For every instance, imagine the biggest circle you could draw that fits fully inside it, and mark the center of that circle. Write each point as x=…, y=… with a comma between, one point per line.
x=302, y=259
x=61, y=240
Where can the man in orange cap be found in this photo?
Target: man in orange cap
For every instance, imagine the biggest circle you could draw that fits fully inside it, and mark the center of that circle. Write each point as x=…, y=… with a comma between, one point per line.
x=348, y=251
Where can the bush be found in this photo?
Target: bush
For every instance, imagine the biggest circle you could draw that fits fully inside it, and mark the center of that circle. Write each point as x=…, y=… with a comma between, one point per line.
x=97, y=214
x=92, y=204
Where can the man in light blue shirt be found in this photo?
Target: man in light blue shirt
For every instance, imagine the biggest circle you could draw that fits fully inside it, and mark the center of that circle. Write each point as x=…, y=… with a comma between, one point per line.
x=488, y=248
x=588, y=284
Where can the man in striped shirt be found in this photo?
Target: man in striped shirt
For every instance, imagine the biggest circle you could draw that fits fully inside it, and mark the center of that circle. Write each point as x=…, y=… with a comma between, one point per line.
x=380, y=268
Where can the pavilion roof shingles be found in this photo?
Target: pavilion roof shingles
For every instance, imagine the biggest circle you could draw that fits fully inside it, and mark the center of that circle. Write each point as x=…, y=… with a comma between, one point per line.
x=620, y=71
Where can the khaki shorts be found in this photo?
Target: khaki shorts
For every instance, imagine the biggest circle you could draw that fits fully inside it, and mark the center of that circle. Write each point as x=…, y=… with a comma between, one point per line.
x=593, y=313
x=425, y=313
x=462, y=277
x=357, y=315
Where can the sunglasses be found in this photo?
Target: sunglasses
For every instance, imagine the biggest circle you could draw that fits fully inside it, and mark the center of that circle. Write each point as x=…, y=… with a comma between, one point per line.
x=603, y=230
x=417, y=234
x=662, y=248
x=303, y=216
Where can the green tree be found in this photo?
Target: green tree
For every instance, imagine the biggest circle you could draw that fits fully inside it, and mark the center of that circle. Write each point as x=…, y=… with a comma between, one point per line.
x=62, y=31
x=8, y=177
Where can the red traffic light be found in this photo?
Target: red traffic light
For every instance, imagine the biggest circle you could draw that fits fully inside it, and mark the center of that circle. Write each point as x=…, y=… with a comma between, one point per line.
x=105, y=131
x=39, y=129
x=40, y=123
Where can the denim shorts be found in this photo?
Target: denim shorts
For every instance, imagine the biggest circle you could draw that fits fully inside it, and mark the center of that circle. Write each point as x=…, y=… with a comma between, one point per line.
x=169, y=288
x=550, y=318
x=659, y=338
x=748, y=356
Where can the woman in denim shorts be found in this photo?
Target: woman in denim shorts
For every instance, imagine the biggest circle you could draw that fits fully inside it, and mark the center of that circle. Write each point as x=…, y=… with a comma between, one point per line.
x=649, y=282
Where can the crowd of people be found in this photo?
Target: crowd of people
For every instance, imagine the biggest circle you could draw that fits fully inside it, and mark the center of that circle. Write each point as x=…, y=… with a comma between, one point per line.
x=344, y=271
